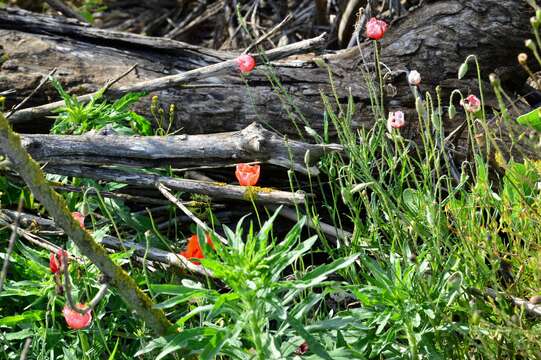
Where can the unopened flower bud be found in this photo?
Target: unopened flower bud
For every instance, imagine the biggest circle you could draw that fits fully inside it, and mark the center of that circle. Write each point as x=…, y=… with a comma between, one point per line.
x=462, y=70
x=530, y=44
x=522, y=58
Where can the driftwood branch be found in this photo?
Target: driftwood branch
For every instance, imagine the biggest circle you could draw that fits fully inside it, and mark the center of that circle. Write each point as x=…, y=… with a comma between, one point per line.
x=423, y=40
x=29, y=170
x=254, y=143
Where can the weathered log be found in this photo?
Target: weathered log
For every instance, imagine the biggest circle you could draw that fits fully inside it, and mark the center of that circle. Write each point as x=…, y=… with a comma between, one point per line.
x=214, y=190
x=435, y=39
x=253, y=143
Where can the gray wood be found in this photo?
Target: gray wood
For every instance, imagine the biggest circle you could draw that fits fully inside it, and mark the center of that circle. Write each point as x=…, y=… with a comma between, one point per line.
x=254, y=143
x=213, y=189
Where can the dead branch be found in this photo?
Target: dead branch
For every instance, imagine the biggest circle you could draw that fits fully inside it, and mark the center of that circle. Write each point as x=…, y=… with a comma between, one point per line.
x=254, y=143
x=214, y=190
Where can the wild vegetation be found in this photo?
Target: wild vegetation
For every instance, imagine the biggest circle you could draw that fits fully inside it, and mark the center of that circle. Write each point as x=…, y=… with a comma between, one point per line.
x=431, y=254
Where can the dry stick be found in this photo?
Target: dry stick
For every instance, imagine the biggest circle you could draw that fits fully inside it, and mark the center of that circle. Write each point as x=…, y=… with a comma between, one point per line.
x=26, y=348
x=134, y=297
x=41, y=83
x=325, y=228
x=530, y=308
x=271, y=32
x=11, y=244
x=165, y=82
x=184, y=209
x=254, y=142
x=65, y=10
x=67, y=289
x=213, y=189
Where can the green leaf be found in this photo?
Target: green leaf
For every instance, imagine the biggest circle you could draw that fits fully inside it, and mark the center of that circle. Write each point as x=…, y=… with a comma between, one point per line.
x=320, y=273
x=313, y=344
x=19, y=335
x=532, y=119
x=27, y=316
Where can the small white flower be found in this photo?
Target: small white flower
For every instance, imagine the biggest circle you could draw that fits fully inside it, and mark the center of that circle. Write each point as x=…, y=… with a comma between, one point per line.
x=414, y=78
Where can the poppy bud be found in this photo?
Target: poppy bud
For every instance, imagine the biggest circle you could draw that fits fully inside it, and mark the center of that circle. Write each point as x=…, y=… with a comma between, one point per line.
x=55, y=261
x=414, y=78
x=522, y=58
x=246, y=63
x=462, y=70
x=530, y=44
x=452, y=111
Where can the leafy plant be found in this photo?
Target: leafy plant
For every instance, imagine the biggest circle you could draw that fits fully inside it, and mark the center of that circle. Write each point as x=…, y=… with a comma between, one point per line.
x=261, y=315
x=78, y=118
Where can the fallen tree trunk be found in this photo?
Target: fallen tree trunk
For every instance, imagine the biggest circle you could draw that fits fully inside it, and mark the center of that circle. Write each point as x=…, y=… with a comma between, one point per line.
x=435, y=40
x=253, y=143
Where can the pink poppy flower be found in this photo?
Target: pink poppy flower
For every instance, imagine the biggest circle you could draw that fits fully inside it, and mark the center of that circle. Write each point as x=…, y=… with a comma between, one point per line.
x=395, y=120
x=246, y=63
x=471, y=104
x=375, y=29
x=74, y=320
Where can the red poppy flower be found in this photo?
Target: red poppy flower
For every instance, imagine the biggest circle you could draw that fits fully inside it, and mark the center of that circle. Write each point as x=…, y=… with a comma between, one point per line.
x=193, y=250
x=375, y=29
x=247, y=175
x=79, y=217
x=75, y=320
x=246, y=63
x=55, y=261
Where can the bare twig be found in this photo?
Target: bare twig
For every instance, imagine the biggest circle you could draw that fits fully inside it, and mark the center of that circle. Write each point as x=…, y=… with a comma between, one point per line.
x=325, y=228
x=26, y=348
x=271, y=32
x=67, y=11
x=184, y=209
x=41, y=83
x=212, y=189
x=11, y=244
